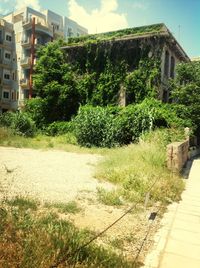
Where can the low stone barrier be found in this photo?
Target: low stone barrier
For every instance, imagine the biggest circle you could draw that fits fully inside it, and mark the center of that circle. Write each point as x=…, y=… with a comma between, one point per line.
x=177, y=155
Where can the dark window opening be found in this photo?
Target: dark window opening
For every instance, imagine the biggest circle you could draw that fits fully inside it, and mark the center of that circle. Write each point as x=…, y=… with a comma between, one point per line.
x=166, y=69
x=6, y=95
x=8, y=56
x=172, y=67
x=8, y=38
x=7, y=76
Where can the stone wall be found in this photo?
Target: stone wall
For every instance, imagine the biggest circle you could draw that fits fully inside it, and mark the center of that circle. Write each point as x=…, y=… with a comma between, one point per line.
x=177, y=155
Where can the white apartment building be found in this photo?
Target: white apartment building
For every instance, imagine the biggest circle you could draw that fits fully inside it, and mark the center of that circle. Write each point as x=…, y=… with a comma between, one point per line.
x=21, y=33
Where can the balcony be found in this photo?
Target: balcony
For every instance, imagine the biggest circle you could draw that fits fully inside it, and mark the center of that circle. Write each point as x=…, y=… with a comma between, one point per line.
x=59, y=33
x=26, y=43
x=40, y=26
x=24, y=83
x=6, y=63
x=25, y=62
x=7, y=83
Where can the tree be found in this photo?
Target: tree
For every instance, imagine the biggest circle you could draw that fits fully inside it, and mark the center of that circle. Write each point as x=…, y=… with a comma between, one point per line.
x=55, y=84
x=186, y=90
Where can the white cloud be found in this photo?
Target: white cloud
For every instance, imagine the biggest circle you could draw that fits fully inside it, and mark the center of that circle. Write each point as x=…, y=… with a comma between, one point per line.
x=31, y=3
x=139, y=5
x=104, y=19
x=7, y=6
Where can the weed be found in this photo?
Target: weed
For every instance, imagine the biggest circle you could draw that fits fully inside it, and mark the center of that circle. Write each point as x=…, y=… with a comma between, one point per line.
x=31, y=239
x=117, y=243
x=70, y=207
x=137, y=166
x=109, y=198
x=23, y=203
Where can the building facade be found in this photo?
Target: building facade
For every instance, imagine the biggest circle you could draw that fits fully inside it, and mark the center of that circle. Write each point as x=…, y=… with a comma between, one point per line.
x=8, y=94
x=131, y=45
x=21, y=33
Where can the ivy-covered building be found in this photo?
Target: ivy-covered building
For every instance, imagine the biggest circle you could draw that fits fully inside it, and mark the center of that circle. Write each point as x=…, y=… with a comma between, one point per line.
x=152, y=43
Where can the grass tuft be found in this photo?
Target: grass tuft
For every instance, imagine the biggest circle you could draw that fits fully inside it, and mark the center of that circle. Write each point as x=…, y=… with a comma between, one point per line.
x=23, y=203
x=70, y=207
x=109, y=198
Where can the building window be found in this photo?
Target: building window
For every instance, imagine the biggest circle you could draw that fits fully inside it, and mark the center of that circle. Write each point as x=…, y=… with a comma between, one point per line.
x=6, y=95
x=7, y=56
x=8, y=38
x=69, y=32
x=6, y=76
x=172, y=67
x=166, y=68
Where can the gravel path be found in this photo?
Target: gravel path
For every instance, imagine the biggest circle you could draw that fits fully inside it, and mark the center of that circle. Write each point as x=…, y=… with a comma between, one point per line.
x=47, y=175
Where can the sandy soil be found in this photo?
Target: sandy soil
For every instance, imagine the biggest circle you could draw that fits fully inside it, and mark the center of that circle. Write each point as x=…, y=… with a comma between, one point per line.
x=47, y=175
x=57, y=176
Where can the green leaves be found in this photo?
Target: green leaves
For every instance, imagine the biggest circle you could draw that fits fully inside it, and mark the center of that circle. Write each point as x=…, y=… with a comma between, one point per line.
x=55, y=83
x=186, y=91
x=143, y=81
x=108, y=127
x=19, y=123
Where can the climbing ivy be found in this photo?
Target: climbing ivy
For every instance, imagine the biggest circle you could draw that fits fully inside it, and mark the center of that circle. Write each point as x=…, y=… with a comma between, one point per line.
x=143, y=82
x=94, y=38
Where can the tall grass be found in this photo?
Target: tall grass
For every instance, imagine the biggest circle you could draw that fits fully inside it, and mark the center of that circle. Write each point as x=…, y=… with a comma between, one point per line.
x=66, y=142
x=32, y=238
x=136, y=167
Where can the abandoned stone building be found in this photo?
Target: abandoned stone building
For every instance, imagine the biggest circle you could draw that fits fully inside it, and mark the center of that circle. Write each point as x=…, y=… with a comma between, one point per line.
x=130, y=45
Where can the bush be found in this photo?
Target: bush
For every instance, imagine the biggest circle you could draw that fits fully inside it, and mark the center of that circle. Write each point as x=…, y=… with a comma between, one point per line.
x=20, y=123
x=94, y=127
x=36, y=108
x=6, y=119
x=111, y=126
x=59, y=128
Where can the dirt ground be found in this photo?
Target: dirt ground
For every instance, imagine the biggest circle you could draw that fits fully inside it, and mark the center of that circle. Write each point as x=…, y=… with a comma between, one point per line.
x=58, y=176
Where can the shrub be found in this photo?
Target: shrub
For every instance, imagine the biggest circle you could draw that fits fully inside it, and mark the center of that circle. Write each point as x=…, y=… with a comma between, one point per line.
x=111, y=126
x=20, y=123
x=36, y=108
x=94, y=127
x=59, y=128
x=6, y=119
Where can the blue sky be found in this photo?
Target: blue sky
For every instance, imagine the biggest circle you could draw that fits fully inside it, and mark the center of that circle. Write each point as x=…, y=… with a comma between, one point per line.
x=182, y=17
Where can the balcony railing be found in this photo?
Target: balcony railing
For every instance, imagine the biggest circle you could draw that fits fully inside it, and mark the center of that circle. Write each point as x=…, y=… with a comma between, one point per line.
x=5, y=62
x=24, y=83
x=26, y=42
x=7, y=82
x=25, y=62
x=40, y=25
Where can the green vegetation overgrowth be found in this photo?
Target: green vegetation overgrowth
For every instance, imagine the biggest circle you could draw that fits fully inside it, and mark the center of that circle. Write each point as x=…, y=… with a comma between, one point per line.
x=96, y=79
x=114, y=126
x=186, y=91
x=19, y=123
x=154, y=28
x=135, y=167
